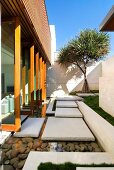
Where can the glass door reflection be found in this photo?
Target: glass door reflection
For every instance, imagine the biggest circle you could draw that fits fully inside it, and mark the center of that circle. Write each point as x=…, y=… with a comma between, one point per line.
x=7, y=71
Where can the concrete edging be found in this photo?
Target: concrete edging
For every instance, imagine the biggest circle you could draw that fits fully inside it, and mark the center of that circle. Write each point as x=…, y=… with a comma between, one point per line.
x=103, y=131
x=35, y=158
x=49, y=110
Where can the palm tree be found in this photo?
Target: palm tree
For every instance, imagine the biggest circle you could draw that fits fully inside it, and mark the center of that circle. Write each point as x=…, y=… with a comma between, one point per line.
x=89, y=46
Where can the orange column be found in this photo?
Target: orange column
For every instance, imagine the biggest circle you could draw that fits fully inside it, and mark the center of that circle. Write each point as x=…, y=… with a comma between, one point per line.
x=37, y=77
x=23, y=84
x=32, y=77
x=41, y=78
x=45, y=81
x=44, y=110
x=17, y=68
x=29, y=94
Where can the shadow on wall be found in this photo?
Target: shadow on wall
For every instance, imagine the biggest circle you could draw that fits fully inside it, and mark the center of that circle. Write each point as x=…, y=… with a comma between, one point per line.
x=63, y=80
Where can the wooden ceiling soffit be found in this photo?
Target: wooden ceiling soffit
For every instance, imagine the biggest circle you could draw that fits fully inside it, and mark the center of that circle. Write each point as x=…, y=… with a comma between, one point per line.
x=16, y=8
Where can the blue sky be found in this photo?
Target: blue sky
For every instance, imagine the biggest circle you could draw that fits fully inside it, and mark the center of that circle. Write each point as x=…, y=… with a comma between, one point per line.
x=72, y=16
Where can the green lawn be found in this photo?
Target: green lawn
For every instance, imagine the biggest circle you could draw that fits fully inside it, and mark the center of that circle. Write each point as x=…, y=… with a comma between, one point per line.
x=67, y=166
x=93, y=102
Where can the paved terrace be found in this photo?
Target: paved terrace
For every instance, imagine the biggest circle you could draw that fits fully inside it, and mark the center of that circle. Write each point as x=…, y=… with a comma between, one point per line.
x=65, y=131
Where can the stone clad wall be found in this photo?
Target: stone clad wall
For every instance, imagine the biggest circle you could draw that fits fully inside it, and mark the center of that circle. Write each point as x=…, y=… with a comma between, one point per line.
x=106, y=86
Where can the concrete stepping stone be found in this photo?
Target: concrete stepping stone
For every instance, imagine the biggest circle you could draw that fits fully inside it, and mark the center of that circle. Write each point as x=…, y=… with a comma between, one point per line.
x=69, y=98
x=35, y=158
x=23, y=117
x=67, y=112
x=49, y=110
x=85, y=94
x=66, y=104
x=30, y=128
x=95, y=168
x=4, y=136
x=67, y=129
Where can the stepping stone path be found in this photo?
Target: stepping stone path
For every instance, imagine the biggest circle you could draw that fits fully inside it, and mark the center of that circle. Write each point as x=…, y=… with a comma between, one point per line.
x=67, y=129
x=68, y=112
x=31, y=128
x=66, y=104
x=16, y=150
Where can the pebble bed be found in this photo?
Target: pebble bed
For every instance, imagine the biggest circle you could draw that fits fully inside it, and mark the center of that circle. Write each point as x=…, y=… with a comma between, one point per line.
x=16, y=150
x=78, y=147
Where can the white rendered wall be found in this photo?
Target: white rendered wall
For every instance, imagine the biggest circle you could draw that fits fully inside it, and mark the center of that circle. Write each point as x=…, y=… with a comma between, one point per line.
x=93, y=79
x=0, y=59
x=53, y=43
x=62, y=81
x=108, y=68
x=106, y=86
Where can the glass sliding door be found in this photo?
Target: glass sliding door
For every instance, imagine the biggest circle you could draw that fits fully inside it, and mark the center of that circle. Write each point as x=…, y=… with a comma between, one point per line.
x=7, y=72
x=25, y=77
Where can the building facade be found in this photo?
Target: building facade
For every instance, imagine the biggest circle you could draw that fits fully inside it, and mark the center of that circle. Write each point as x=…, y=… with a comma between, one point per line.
x=25, y=50
x=106, y=82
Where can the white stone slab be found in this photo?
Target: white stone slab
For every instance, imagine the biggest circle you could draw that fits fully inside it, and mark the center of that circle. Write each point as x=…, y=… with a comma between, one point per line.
x=49, y=110
x=23, y=117
x=85, y=94
x=101, y=128
x=67, y=129
x=35, y=158
x=66, y=104
x=67, y=112
x=69, y=98
x=30, y=128
x=95, y=168
x=4, y=136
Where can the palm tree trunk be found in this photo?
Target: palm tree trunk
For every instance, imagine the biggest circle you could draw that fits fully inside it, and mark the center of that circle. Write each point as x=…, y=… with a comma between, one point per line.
x=85, y=88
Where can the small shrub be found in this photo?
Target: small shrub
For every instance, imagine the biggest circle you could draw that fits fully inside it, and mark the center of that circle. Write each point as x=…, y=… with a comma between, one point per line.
x=68, y=166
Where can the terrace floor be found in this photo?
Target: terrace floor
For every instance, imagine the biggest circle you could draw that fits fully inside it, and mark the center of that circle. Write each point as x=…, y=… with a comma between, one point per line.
x=57, y=134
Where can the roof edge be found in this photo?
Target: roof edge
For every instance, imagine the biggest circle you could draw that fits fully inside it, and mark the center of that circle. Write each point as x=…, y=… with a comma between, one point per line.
x=106, y=19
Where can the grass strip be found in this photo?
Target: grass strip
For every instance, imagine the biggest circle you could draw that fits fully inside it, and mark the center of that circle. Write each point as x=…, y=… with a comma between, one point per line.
x=93, y=102
x=68, y=166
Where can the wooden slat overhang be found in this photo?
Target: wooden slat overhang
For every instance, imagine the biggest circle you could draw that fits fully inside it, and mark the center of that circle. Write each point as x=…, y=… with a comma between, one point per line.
x=34, y=23
x=108, y=22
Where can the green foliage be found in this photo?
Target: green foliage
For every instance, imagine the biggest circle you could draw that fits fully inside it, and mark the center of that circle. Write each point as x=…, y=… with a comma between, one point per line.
x=50, y=166
x=84, y=49
x=93, y=102
x=90, y=45
x=68, y=166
